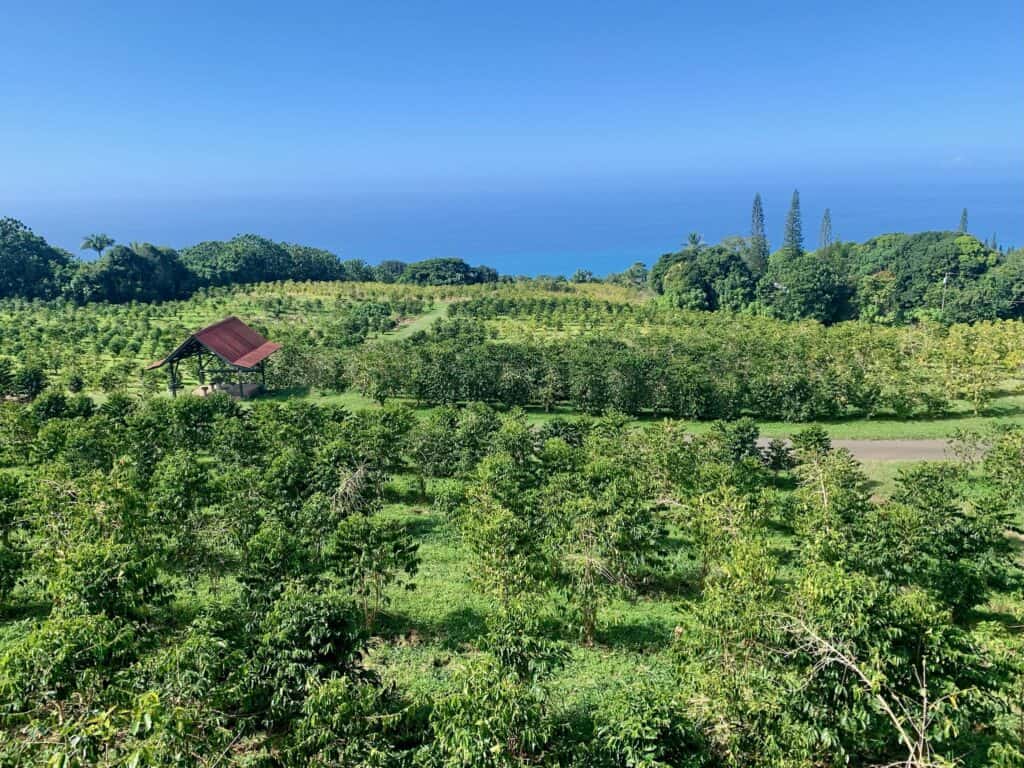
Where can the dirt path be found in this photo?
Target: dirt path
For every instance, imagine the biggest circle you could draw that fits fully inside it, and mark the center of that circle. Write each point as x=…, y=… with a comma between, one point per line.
x=892, y=450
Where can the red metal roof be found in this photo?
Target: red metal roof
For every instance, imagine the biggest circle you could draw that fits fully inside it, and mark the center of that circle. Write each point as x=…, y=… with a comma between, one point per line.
x=232, y=341
x=235, y=342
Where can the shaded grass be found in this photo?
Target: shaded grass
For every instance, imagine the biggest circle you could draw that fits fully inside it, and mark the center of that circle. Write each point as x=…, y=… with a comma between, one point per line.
x=882, y=475
x=444, y=609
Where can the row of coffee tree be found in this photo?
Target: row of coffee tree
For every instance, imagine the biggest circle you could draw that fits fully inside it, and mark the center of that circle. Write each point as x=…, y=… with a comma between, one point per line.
x=760, y=367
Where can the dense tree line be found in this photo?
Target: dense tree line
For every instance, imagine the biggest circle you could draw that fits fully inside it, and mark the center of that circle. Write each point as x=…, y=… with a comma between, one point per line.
x=891, y=279
x=704, y=370
x=193, y=583
x=31, y=268
x=446, y=272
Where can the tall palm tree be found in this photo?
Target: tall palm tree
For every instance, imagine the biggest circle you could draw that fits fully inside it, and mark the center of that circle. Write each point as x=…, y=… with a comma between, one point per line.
x=99, y=243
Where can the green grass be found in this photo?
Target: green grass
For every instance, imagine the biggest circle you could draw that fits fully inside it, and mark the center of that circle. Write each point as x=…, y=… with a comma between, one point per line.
x=882, y=475
x=1007, y=409
x=421, y=323
x=349, y=399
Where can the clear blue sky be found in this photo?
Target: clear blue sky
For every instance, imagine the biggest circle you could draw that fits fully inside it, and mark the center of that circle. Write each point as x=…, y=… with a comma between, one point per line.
x=535, y=136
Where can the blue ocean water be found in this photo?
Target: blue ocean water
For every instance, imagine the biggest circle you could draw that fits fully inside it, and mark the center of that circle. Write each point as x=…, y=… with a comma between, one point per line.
x=542, y=227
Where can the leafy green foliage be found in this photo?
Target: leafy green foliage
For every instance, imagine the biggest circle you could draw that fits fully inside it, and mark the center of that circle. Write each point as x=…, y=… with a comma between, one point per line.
x=139, y=272
x=707, y=277
x=304, y=637
x=445, y=272
x=29, y=266
x=369, y=555
x=492, y=718
x=350, y=722
x=934, y=537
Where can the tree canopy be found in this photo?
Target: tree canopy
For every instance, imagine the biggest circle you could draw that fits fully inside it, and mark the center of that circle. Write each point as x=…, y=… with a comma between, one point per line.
x=29, y=266
x=445, y=272
x=894, y=278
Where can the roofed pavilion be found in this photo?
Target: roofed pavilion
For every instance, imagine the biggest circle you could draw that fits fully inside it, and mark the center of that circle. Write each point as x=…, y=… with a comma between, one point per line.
x=231, y=353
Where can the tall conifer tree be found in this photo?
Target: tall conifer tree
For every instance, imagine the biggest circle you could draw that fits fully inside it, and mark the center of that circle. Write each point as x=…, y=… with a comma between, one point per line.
x=825, y=236
x=963, y=221
x=758, y=240
x=793, y=242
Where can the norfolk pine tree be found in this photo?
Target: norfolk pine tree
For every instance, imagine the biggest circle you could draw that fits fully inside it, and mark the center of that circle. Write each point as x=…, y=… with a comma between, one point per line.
x=793, y=241
x=758, y=258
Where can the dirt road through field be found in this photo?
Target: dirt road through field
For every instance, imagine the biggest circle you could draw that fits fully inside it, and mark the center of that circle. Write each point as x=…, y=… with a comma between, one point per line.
x=892, y=450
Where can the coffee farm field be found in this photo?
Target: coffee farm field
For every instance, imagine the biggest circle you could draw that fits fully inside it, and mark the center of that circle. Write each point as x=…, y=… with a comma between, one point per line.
x=293, y=584
x=508, y=525
x=551, y=349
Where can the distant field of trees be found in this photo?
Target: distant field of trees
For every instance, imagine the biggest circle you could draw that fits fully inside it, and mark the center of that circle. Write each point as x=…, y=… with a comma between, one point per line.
x=104, y=347
x=588, y=347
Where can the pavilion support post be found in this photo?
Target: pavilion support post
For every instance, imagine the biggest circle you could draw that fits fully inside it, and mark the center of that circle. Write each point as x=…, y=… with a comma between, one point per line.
x=263, y=374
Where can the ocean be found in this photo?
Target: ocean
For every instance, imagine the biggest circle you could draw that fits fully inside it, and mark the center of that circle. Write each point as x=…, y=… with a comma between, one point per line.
x=538, y=227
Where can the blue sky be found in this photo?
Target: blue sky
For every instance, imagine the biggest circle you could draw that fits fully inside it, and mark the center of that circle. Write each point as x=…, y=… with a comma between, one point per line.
x=534, y=136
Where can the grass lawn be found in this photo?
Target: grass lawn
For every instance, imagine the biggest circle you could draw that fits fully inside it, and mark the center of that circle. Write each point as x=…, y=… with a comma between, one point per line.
x=1008, y=408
